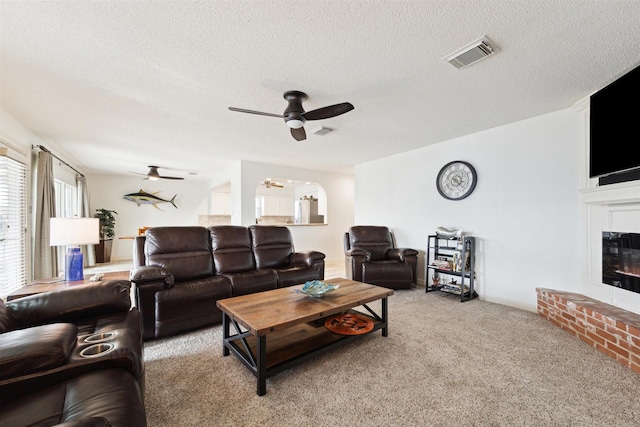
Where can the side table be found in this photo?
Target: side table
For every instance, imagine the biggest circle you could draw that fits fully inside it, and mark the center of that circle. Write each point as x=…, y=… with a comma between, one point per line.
x=56, y=283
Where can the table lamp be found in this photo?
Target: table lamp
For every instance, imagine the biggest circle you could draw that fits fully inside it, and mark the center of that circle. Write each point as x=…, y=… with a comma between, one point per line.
x=74, y=231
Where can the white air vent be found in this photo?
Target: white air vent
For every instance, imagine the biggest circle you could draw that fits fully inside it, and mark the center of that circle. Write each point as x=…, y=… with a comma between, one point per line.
x=322, y=131
x=471, y=53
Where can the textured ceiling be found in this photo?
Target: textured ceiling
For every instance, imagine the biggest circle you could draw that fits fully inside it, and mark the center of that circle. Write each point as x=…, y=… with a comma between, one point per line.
x=119, y=85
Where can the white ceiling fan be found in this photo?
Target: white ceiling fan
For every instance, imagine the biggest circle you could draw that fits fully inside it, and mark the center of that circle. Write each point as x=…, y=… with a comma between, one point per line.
x=154, y=175
x=268, y=183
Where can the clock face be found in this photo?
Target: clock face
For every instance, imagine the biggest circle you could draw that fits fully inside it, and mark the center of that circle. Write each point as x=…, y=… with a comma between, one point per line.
x=456, y=180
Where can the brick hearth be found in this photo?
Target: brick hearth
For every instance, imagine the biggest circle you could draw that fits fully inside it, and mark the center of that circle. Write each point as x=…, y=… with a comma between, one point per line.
x=612, y=330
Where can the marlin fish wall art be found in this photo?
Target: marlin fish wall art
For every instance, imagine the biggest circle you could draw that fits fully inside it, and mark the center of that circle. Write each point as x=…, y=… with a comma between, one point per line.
x=144, y=198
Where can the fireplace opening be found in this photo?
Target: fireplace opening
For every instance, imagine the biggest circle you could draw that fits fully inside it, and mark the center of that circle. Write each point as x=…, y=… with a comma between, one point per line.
x=621, y=260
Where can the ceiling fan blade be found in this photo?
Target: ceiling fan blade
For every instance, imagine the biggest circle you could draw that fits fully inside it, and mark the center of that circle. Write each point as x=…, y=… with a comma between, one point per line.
x=260, y=113
x=170, y=177
x=299, y=134
x=327, y=112
x=138, y=173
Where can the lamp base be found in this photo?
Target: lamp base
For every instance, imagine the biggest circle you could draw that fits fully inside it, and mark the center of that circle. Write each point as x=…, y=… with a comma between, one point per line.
x=73, y=265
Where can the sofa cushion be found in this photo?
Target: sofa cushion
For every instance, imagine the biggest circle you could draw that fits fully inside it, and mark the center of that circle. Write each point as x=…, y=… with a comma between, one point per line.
x=7, y=321
x=112, y=394
x=185, y=251
x=272, y=245
x=290, y=276
x=189, y=305
x=231, y=246
x=377, y=240
x=253, y=281
x=35, y=349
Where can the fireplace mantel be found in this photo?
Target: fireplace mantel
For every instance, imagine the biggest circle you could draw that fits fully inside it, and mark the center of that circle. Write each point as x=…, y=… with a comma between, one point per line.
x=622, y=193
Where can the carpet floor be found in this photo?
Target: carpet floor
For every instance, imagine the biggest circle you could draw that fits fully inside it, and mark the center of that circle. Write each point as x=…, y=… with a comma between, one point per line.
x=444, y=363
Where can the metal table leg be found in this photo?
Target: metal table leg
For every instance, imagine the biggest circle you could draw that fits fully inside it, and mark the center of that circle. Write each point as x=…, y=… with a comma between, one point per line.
x=262, y=365
x=225, y=333
x=385, y=328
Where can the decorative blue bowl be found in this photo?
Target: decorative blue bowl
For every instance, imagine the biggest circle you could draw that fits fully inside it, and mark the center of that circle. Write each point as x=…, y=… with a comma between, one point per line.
x=316, y=288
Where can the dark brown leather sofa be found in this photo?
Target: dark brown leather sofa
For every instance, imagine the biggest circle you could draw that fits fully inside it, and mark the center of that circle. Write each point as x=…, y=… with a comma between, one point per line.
x=371, y=256
x=49, y=374
x=180, y=272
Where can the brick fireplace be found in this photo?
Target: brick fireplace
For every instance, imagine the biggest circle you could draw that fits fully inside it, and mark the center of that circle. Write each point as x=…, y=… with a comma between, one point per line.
x=612, y=330
x=603, y=316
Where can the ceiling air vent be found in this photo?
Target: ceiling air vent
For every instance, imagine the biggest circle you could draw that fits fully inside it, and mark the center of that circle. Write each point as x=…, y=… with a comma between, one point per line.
x=471, y=53
x=322, y=131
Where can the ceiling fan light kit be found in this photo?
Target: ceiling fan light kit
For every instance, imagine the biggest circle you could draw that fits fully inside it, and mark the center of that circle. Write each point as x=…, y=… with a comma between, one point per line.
x=294, y=115
x=294, y=123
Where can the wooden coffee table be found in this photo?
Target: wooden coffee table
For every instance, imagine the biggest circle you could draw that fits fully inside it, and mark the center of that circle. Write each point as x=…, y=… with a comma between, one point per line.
x=294, y=325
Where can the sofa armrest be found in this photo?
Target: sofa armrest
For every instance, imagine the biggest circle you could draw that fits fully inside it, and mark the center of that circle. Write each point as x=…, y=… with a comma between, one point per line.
x=147, y=281
x=401, y=254
x=150, y=274
x=35, y=349
x=359, y=253
x=71, y=304
x=307, y=258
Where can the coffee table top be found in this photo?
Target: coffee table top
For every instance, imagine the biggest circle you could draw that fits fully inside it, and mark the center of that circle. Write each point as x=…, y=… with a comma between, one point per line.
x=265, y=312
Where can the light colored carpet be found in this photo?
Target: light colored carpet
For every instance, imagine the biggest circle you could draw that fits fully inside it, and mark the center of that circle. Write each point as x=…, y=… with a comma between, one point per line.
x=444, y=363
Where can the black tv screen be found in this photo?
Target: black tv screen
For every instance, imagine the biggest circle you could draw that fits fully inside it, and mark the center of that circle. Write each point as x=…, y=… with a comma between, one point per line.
x=614, y=130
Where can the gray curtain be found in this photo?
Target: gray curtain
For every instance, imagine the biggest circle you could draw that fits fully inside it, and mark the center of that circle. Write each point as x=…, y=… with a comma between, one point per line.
x=45, y=259
x=83, y=212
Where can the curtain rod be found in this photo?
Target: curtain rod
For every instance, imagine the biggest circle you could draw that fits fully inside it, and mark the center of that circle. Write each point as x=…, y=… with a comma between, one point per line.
x=62, y=161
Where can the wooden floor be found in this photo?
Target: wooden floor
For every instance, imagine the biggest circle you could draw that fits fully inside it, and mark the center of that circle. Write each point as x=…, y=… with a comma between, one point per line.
x=332, y=268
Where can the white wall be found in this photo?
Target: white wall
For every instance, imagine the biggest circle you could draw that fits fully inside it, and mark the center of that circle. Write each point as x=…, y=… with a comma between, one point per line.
x=524, y=211
x=340, y=195
x=107, y=191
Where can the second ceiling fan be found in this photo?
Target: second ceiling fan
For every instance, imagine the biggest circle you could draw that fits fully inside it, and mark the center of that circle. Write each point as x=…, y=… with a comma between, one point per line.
x=295, y=116
x=154, y=175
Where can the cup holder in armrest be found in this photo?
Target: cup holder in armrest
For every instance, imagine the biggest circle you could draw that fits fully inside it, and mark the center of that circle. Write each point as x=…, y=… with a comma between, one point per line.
x=105, y=336
x=97, y=350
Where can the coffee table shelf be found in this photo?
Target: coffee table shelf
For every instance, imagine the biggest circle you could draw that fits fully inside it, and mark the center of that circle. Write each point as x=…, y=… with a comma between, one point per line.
x=288, y=346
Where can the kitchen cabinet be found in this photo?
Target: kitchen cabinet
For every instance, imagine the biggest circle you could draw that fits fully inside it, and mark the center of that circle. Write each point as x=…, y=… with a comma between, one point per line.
x=277, y=206
x=220, y=204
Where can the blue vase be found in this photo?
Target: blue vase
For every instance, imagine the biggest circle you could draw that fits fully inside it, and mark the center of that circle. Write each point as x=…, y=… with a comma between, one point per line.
x=73, y=265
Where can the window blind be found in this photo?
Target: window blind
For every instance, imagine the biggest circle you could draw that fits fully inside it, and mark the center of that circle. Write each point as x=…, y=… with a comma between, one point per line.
x=13, y=225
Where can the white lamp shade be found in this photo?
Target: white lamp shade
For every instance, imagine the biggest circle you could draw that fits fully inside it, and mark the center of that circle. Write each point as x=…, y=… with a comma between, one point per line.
x=74, y=231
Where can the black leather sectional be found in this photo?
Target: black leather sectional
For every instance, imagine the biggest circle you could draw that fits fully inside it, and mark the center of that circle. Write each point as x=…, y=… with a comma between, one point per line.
x=72, y=357
x=180, y=272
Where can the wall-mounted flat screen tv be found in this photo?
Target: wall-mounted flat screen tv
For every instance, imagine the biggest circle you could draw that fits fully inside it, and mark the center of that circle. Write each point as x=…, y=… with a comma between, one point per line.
x=614, y=126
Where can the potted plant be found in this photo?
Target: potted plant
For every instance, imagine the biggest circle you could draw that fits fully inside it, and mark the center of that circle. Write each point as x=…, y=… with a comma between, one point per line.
x=107, y=233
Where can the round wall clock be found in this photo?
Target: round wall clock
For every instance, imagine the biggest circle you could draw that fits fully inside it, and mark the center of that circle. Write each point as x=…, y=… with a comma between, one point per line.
x=456, y=180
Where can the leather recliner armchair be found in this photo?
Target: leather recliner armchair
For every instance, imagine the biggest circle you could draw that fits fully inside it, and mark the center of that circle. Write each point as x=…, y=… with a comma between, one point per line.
x=175, y=283
x=371, y=256
x=48, y=371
